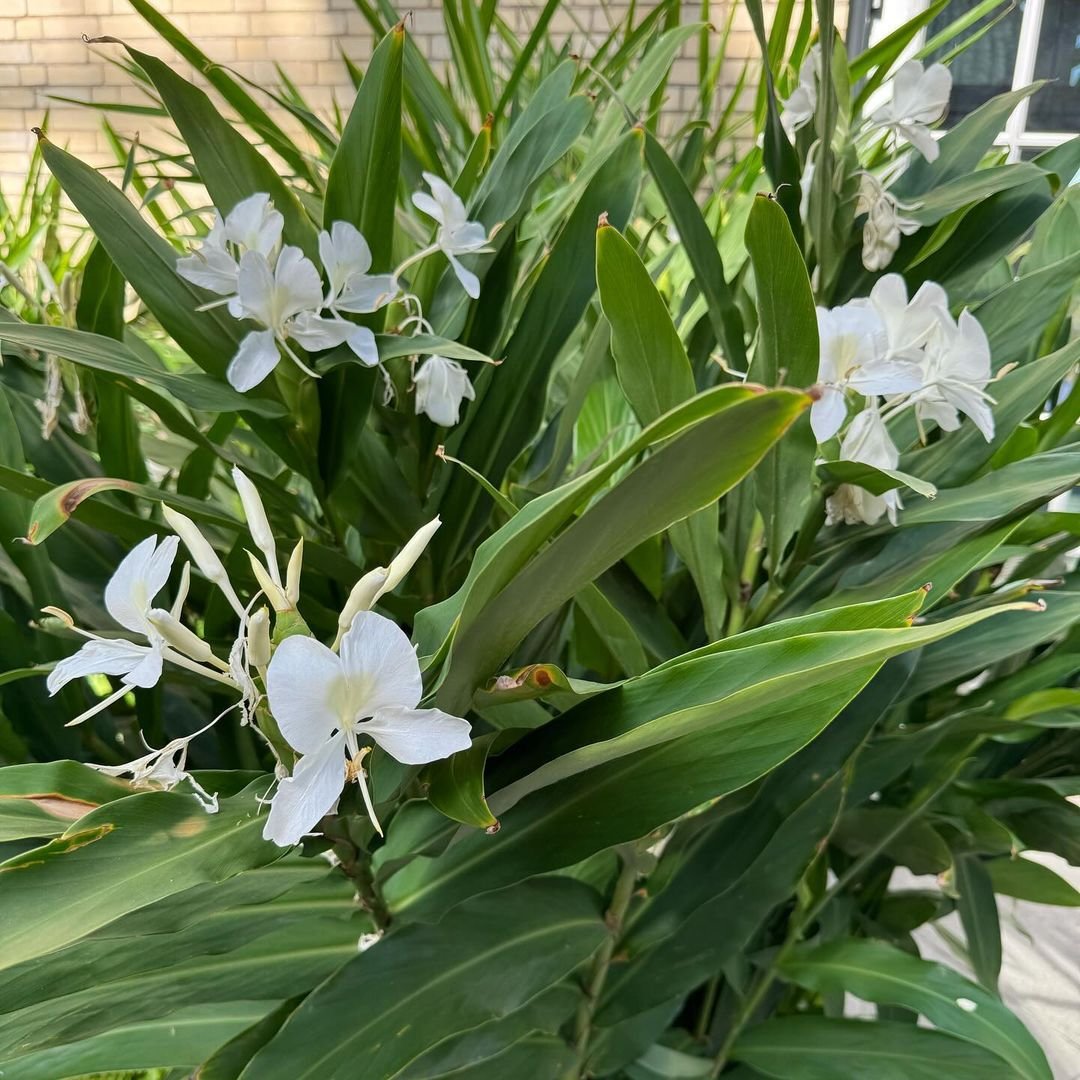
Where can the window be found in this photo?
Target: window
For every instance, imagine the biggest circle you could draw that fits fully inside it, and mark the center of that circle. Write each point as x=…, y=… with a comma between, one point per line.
x=1039, y=39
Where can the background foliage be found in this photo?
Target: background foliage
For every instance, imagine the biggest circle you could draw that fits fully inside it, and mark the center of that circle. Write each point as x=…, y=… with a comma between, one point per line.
x=710, y=727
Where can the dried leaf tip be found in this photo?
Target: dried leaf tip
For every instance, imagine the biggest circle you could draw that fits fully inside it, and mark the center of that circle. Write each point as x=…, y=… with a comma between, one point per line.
x=602, y=220
x=41, y=136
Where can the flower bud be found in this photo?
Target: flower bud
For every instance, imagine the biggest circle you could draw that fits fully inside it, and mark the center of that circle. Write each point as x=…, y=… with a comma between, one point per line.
x=182, y=591
x=292, y=573
x=258, y=523
x=206, y=558
x=179, y=636
x=363, y=596
x=258, y=643
x=278, y=600
x=406, y=558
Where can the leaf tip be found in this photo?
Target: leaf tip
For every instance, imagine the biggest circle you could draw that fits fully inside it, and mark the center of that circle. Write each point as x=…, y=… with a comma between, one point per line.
x=602, y=221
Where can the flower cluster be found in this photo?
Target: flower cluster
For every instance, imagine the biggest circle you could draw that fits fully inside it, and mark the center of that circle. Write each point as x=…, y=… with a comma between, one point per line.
x=917, y=98
x=258, y=278
x=323, y=700
x=895, y=354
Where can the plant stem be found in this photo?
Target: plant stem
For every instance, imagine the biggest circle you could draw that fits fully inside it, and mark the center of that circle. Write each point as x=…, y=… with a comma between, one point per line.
x=594, y=987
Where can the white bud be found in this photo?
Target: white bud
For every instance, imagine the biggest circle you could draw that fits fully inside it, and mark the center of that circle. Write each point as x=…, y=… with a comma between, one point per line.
x=182, y=591
x=278, y=600
x=206, y=558
x=179, y=636
x=406, y=558
x=292, y=573
x=362, y=597
x=258, y=523
x=258, y=644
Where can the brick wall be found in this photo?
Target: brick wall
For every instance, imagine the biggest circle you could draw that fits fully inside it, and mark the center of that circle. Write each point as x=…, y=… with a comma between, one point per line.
x=42, y=56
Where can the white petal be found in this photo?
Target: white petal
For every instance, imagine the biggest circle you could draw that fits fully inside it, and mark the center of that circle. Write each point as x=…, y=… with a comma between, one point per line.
x=417, y=736
x=366, y=293
x=305, y=687
x=316, y=334
x=469, y=236
x=147, y=672
x=427, y=205
x=827, y=413
x=255, y=288
x=297, y=285
x=141, y=575
x=304, y=798
x=469, y=281
x=104, y=656
x=450, y=204
x=921, y=139
x=344, y=253
x=362, y=342
x=257, y=356
x=210, y=268
x=253, y=223
x=381, y=665
x=887, y=377
x=441, y=384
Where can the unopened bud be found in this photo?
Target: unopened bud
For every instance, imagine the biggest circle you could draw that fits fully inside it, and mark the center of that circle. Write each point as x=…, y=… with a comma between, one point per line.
x=182, y=591
x=407, y=557
x=362, y=598
x=278, y=600
x=292, y=573
x=258, y=644
x=179, y=636
x=206, y=558
x=258, y=523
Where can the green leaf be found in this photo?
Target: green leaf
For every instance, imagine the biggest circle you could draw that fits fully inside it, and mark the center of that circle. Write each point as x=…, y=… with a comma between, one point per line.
x=682, y=477
x=227, y=164
x=655, y=374
x=510, y=399
x=181, y=1040
x=100, y=353
x=979, y=917
x=229, y=1060
x=1028, y=880
x=817, y=1048
x=970, y=188
x=148, y=262
x=625, y=762
x=787, y=352
x=456, y=786
x=701, y=250
x=919, y=847
x=883, y=974
x=877, y=481
x=44, y=799
x=511, y=948
x=122, y=856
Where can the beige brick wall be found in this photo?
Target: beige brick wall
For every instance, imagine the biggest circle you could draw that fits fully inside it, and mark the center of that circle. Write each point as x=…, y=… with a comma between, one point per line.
x=42, y=56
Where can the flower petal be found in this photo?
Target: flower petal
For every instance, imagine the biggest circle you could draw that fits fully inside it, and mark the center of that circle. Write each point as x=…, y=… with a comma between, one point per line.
x=366, y=293
x=302, y=799
x=827, y=413
x=305, y=687
x=469, y=281
x=316, y=334
x=141, y=575
x=417, y=736
x=381, y=665
x=210, y=268
x=257, y=356
x=297, y=285
x=362, y=342
x=427, y=205
x=102, y=656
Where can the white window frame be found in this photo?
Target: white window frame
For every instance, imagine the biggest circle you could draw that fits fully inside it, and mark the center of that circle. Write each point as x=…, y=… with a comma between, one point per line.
x=1015, y=137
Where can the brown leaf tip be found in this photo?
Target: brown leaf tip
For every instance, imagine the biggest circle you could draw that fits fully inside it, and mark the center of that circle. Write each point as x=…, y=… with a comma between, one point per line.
x=41, y=136
x=602, y=220
x=491, y=830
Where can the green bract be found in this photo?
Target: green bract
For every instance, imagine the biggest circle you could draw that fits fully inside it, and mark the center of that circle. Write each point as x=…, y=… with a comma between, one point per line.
x=643, y=551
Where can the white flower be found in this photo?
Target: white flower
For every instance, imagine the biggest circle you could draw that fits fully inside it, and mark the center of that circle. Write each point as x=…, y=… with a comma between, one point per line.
x=957, y=373
x=346, y=258
x=325, y=702
x=286, y=299
x=457, y=235
x=441, y=385
x=884, y=223
x=867, y=441
x=855, y=355
x=129, y=596
x=908, y=325
x=800, y=107
x=163, y=770
x=251, y=225
x=919, y=98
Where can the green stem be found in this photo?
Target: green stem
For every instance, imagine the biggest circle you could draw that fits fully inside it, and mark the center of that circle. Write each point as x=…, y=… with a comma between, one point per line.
x=751, y=561
x=594, y=987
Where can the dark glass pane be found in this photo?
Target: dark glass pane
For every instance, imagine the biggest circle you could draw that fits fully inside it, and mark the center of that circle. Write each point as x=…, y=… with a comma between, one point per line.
x=984, y=69
x=1057, y=107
